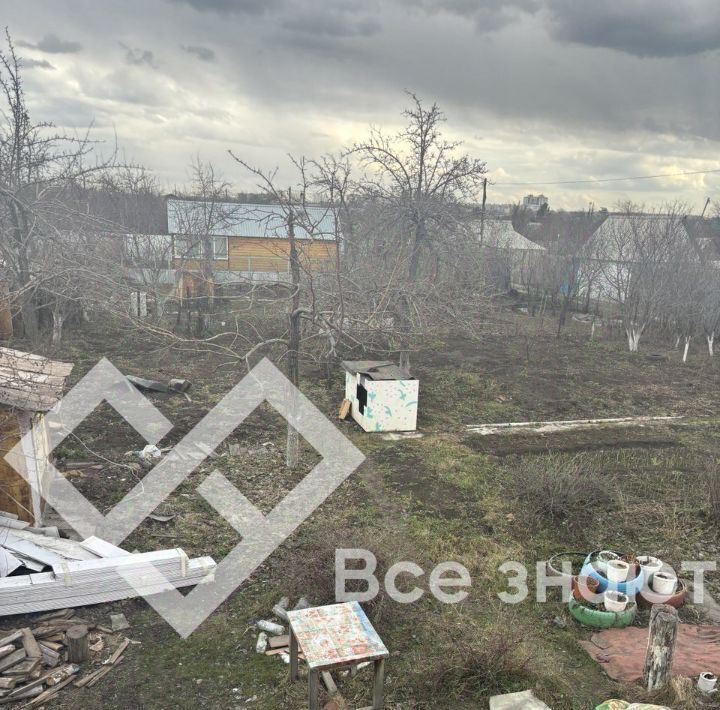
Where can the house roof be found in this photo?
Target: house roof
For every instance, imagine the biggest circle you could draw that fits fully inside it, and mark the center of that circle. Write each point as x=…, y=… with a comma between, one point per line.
x=705, y=235
x=233, y=219
x=31, y=382
x=501, y=234
x=376, y=369
x=621, y=235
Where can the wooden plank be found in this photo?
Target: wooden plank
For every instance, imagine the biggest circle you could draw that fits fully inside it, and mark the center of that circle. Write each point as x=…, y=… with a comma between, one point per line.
x=13, y=659
x=23, y=669
x=14, y=637
x=30, y=644
x=30, y=362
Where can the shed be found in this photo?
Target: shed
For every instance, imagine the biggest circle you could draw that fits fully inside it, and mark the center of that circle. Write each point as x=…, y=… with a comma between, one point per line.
x=383, y=396
x=29, y=386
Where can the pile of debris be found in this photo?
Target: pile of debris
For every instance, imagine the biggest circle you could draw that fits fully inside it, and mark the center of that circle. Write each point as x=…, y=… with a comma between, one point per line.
x=37, y=662
x=40, y=571
x=272, y=639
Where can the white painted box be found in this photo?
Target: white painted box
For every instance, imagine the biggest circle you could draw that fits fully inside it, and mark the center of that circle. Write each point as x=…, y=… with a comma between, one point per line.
x=383, y=397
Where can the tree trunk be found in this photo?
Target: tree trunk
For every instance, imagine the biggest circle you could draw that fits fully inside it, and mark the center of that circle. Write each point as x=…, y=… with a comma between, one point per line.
x=29, y=317
x=688, y=338
x=78, y=647
x=710, y=343
x=661, y=646
x=58, y=320
x=292, y=453
x=405, y=360
x=633, y=338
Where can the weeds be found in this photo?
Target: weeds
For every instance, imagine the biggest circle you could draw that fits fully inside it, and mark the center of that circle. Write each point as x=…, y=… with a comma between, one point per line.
x=556, y=488
x=470, y=660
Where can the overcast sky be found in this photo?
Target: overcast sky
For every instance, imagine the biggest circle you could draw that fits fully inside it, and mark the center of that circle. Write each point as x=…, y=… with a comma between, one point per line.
x=543, y=90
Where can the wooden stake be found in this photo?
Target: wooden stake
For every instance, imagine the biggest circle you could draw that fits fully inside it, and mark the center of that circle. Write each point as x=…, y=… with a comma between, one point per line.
x=661, y=646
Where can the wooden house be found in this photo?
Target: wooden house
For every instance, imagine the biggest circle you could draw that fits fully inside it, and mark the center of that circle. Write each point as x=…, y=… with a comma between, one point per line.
x=231, y=242
x=30, y=385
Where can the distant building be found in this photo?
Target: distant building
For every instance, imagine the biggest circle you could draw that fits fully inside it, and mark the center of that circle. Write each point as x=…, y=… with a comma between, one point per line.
x=499, y=210
x=535, y=202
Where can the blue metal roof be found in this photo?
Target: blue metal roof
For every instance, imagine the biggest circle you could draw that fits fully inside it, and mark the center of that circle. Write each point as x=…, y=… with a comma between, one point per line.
x=233, y=219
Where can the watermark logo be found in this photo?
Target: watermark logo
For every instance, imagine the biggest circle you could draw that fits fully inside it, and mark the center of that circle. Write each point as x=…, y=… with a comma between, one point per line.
x=261, y=534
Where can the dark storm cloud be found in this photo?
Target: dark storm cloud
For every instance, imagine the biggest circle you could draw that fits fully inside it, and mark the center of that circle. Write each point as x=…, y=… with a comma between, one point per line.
x=332, y=25
x=487, y=15
x=229, y=7
x=205, y=54
x=644, y=28
x=36, y=64
x=52, y=44
x=139, y=57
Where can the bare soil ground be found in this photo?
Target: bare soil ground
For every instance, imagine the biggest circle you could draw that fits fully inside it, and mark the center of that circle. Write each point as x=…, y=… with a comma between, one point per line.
x=446, y=496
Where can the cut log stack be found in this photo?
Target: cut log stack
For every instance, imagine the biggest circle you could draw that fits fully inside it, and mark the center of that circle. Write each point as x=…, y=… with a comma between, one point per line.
x=36, y=662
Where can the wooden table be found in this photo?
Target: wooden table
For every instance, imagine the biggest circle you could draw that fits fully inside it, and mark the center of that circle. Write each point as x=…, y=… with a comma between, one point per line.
x=335, y=636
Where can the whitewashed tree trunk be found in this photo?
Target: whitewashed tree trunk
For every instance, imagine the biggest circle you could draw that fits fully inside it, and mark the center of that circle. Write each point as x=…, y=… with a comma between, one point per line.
x=677, y=342
x=592, y=330
x=688, y=338
x=292, y=451
x=710, y=344
x=58, y=319
x=633, y=338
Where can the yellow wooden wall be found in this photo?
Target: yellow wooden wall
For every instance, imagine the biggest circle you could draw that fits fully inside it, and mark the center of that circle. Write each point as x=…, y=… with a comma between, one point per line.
x=15, y=493
x=268, y=255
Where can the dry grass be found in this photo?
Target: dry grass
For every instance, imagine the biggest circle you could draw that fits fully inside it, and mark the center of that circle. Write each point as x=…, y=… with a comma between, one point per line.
x=555, y=488
x=471, y=660
x=712, y=486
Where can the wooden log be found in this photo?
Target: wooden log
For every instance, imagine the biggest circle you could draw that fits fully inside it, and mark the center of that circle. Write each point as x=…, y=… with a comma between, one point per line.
x=661, y=646
x=78, y=644
x=30, y=644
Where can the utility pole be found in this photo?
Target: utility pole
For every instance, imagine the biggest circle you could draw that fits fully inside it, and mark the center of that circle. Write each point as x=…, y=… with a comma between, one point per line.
x=482, y=213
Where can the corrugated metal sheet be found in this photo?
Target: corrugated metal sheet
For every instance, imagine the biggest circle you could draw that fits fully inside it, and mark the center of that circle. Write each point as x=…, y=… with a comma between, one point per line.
x=232, y=219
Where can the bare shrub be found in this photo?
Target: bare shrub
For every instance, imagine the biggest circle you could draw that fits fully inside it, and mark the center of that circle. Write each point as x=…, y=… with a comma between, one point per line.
x=470, y=660
x=554, y=487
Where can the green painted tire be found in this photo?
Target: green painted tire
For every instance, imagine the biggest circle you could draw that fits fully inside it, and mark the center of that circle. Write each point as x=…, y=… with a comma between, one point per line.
x=599, y=619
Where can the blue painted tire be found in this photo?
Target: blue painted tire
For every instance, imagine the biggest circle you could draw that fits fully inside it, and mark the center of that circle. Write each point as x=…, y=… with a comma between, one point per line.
x=631, y=587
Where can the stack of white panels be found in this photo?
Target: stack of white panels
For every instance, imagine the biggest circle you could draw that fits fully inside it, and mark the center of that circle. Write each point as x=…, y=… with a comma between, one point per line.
x=81, y=583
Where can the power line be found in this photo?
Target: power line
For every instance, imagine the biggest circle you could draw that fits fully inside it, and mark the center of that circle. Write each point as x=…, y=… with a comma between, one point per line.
x=618, y=179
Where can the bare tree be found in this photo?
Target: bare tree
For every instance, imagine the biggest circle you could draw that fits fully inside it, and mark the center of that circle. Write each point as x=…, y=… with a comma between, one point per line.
x=419, y=182
x=40, y=171
x=635, y=252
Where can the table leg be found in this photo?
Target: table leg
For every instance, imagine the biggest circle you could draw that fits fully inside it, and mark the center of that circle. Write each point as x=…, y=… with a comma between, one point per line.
x=314, y=690
x=294, y=675
x=379, y=689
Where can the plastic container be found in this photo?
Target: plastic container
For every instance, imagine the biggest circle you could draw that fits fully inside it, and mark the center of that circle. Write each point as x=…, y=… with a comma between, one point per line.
x=631, y=587
x=617, y=570
x=664, y=583
x=602, y=559
x=585, y=588
x=615, y=601
x=707, y=682
x=646, y=598
x=650, y=566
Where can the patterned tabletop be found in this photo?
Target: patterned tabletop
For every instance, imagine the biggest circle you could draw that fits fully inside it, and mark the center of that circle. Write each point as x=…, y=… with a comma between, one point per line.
x=335, y=635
